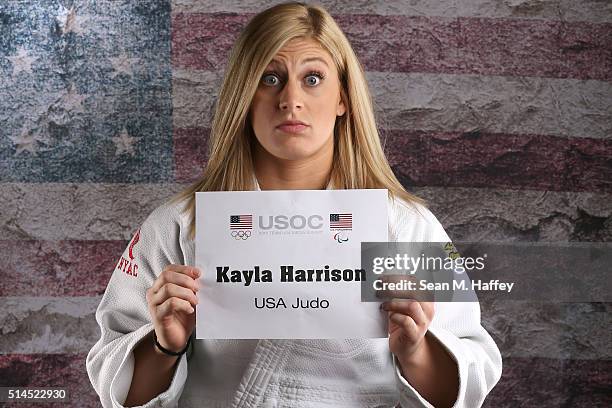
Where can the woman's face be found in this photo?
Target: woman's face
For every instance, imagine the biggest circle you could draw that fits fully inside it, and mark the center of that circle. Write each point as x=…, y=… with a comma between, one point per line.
x=299, y=85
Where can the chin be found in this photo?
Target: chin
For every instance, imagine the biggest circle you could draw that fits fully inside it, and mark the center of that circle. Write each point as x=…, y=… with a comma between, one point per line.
x=295, y=149
x=292, y=154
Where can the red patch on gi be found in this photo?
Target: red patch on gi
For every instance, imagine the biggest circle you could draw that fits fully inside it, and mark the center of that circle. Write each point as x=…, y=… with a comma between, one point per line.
x=128, y=266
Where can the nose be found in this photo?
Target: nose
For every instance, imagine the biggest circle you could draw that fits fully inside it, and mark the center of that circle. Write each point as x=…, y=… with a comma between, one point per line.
x=290, y=97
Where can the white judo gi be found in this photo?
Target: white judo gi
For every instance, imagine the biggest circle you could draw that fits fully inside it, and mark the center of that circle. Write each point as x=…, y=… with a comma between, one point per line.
x=276, y=373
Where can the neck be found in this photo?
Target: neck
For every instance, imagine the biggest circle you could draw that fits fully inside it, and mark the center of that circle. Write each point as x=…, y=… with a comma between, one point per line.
x=311, y=173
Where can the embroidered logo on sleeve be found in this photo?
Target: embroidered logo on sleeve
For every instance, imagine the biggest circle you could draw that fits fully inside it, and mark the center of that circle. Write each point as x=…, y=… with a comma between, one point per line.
x=129, y=266
x=134, y=242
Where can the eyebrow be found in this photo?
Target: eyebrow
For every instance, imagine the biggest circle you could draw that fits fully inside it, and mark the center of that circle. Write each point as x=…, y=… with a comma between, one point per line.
x=275, y=61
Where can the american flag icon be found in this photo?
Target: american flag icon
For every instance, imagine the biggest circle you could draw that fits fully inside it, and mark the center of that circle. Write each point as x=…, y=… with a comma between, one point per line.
x=341, y=221
x=243, y=222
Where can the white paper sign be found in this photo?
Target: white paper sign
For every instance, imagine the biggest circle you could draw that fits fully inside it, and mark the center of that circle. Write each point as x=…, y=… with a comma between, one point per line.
x=286, y=264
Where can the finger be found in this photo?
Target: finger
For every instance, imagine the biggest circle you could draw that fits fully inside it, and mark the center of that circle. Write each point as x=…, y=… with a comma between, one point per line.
x=174, y=305
x=408, y=308
x=170, y=290
x=184, y=277
x=171, y=270
x=406, y=323
x=186, y=269
x=428, y=309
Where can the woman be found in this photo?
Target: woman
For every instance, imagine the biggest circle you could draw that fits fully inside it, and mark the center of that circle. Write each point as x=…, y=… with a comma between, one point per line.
x=294, y=112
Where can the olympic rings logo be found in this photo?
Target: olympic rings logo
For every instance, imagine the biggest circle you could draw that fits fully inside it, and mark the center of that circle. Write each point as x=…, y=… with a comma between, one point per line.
x=241, y=234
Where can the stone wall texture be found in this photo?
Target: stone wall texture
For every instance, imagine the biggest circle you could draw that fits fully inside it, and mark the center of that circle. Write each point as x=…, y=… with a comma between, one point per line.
x=498, y=113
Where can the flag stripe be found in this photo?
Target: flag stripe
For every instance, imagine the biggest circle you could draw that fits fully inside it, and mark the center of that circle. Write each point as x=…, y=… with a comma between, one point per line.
x=194, y=94
x=481, y=46
x=66, y=211
x=58, y=268
x=191, y=149
x=66, y=370
x=502, y=161
x=475, y=159
x=475, y=214
x=542, y=382
x=48, y=324
x=564, y=10
x=446, y=103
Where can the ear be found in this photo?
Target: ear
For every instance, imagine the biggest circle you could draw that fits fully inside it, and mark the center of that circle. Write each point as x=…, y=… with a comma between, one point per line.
x=341, y=109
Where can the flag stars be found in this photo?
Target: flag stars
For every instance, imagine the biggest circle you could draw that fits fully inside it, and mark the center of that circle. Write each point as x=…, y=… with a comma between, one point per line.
x=125, y=143
x=22, y=62
x=73, y=101
x=26, y=141
x=70, y=22
x=124, y=65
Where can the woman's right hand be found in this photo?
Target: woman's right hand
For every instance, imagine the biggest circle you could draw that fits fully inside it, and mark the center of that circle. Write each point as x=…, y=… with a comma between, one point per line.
x=171, y=302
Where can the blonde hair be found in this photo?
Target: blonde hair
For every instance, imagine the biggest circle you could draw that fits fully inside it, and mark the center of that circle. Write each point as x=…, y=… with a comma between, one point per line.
x=359, y=158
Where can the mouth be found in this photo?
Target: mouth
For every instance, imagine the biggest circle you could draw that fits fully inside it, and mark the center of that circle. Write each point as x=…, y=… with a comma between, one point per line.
x=292, y=127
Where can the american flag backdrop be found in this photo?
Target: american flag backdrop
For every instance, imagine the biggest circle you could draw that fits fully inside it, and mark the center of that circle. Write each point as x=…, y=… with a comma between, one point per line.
x=499, y=113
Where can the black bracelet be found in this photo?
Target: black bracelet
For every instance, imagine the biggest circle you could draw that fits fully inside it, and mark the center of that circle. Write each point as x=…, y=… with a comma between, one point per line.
x=166, y=351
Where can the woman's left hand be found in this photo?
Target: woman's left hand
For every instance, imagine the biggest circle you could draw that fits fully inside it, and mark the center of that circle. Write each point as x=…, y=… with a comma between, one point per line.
x=408, y=323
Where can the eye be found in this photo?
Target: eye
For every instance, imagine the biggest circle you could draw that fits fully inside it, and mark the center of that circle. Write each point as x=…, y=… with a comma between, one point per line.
x=270, y=79
x=314, y=78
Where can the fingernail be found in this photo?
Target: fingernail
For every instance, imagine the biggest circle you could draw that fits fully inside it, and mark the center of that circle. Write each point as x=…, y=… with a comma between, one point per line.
x=197, y=272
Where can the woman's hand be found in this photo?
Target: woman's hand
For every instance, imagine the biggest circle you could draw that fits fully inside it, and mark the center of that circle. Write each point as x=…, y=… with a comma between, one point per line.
x=408, y=323
x=171, y=302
